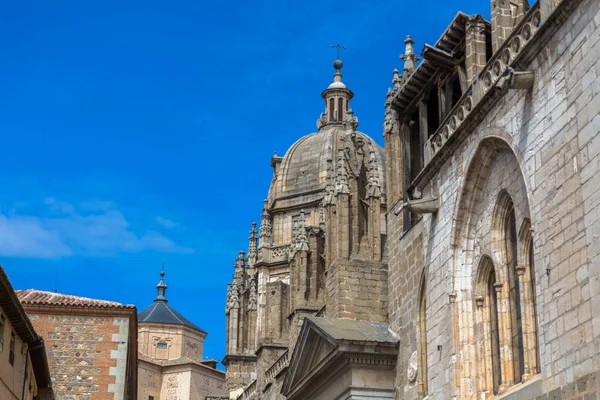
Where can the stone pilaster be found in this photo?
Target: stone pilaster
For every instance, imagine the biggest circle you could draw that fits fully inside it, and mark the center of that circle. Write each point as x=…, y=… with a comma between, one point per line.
x=475, y=46
x=506, y=14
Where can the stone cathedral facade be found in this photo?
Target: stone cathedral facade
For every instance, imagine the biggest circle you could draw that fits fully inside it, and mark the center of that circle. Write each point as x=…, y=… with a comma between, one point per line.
x=462, y=261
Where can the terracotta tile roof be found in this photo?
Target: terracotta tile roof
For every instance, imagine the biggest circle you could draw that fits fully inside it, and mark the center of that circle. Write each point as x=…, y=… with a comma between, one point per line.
x=40, y=297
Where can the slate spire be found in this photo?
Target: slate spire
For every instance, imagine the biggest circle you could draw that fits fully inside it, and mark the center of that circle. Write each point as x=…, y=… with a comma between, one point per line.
x=161, y=288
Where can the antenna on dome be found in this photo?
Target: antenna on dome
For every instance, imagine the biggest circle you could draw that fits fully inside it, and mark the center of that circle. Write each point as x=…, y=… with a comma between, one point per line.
x=56, y=280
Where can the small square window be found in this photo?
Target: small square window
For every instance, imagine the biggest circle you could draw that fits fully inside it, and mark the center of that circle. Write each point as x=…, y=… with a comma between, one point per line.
x=150, y=397
x=161, y=345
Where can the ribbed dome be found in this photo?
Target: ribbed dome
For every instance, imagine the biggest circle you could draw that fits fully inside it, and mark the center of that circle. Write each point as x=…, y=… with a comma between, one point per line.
x=302, y=175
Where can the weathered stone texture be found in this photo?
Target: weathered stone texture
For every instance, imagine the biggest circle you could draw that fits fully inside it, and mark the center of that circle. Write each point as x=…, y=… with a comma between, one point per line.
x=554, y=133
x=357, y=289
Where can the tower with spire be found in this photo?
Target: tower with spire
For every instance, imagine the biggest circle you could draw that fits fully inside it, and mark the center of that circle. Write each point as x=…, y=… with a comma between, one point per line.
x=171, y=347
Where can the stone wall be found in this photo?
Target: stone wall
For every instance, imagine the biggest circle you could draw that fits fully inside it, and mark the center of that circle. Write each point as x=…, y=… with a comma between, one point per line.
x=357, y=289
x=85, y=354
x=553, y=134
x=149, y=380
x=406, y=271
x=240, y=373
x=205, y=382
x=181, y=341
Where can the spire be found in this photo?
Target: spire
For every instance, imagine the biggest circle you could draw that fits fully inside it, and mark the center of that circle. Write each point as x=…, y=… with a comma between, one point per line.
x=330, y=187
x=409, y=57
x=252, y=246
x=341, y=184
x=161, y=288
x=337, y=102
x=264, y=231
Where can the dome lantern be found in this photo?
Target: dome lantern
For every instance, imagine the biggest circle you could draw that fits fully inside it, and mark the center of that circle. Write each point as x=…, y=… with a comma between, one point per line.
x=337, y=98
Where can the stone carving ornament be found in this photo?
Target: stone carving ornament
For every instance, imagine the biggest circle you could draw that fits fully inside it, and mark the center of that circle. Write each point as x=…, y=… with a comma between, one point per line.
x=390, y=124
x=412, y=368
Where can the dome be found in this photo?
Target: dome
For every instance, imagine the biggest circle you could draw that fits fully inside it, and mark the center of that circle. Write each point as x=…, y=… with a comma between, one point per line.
x=337, y=85
x=301, y=176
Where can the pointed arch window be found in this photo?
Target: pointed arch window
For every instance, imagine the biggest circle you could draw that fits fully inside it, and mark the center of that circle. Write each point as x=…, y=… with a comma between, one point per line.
x=506, y=317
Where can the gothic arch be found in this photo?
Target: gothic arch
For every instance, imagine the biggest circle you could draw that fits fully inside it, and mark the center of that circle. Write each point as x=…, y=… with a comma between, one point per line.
x=487, y=267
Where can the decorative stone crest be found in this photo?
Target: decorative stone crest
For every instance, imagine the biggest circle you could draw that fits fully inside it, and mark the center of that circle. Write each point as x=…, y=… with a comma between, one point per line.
x=373, y=186
x=252, y=295
x=322, y=121
x=341, y=184
x=350, y=120
x=234, y=298
x=390, y=123
x=300, y=238
x=411, y=373
x=264, y=232
x=330, y=187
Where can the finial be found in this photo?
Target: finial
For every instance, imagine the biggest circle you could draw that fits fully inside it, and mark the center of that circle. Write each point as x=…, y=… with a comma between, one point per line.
x=252, y=246
x=338, y=64
x=409, y=57
x=161, y=288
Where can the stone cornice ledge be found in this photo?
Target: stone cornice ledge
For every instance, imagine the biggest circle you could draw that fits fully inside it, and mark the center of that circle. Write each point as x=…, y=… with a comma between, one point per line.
x=517, y=52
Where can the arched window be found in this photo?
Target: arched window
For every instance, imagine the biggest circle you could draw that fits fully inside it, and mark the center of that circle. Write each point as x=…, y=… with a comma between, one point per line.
x=340, y=109
x=488, y=330
x=510, y=239
x=331, y=109
x=422, y=334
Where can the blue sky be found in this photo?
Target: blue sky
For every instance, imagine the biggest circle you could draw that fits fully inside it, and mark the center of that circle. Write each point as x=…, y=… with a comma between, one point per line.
x=134, y=131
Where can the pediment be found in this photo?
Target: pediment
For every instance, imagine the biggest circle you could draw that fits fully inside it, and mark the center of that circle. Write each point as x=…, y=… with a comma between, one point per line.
x=313, y=350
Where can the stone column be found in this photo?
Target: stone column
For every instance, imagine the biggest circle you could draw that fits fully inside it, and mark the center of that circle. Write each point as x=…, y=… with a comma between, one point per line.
x=233, y=328
x=528, y=323
x=484, y=374
x=505, y=336
x=394, y=156
x=475, y=47
x=375, y=227
x=423, y=131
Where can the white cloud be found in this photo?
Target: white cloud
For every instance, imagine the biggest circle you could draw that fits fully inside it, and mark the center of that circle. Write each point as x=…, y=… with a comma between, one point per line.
x=90, y=228
x=167, y=223
x=22, y=236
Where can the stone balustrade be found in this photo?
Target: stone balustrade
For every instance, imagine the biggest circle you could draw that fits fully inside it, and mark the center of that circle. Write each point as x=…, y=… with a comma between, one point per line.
x=277, y=367
x=250, y=393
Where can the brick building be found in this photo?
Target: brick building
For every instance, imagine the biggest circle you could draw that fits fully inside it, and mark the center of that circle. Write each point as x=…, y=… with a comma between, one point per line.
x=171, y=348
x=91, y=344
x=464, y=263
x=24, y=372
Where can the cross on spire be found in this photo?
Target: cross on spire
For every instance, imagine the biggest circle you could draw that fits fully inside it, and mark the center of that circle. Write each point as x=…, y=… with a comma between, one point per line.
x=338, y=47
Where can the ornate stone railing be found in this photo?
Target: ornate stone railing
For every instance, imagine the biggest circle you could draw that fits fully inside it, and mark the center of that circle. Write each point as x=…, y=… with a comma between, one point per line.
x=495, y=70
x=277, y=367
x=276, y=253
x=250, y=393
